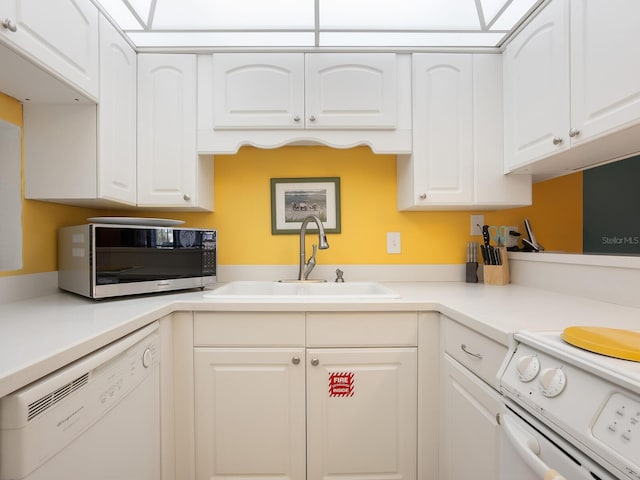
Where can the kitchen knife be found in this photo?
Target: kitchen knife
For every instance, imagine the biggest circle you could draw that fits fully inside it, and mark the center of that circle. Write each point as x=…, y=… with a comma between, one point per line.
x=485, y=235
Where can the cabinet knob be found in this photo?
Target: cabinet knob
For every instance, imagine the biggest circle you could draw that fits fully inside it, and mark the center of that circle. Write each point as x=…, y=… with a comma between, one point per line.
x=423, y=196
x=315, y=362
x=9, y=25
x=296, y=118
x=557, y=140
x=186, y=197
x=574, y=132
x=312, y=118
x=295, y=360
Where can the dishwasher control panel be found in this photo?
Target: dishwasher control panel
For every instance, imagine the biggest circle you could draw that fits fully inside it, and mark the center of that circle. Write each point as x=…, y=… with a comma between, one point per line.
x=618, y=427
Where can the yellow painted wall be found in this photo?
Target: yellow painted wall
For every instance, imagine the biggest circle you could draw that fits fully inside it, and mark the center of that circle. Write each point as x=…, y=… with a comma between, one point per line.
x=368, y=193
x=368, y=197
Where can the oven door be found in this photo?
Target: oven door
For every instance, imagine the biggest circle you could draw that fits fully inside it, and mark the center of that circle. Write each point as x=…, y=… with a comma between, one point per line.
x=531, y=451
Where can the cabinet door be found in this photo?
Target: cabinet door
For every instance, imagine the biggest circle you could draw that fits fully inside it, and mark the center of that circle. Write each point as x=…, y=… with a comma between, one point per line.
x=256, y=91
x=59, y=35
x=536, y=88
x=167, y=159
x=443, y=129
x=116, y=117
x=469, y=432
x=250, y=418
x=605, y=66
x=353, y=91
x=361, y=413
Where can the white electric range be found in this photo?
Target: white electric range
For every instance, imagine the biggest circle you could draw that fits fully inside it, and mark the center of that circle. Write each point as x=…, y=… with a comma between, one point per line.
x=569, y=413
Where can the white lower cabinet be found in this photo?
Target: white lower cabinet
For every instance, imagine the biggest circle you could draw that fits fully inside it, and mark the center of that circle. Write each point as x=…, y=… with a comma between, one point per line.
x=469, y=406
x=250, y=413
x=312, y=411
x=469, y=436
x=361, y=413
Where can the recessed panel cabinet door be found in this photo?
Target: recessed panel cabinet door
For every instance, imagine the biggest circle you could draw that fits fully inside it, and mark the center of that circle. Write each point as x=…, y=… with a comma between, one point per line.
x=536, y=88
x=469, y=432
x=167, y=166
x=605, y=67
x=250, y=413
x=354, y=91
x=443, y=128
x=361, y=413
x=256, y=91
x=60, y=35
x=117, y=117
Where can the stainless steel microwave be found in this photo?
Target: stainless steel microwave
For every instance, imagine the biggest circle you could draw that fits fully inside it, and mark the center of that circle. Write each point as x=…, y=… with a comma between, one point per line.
x=109, y=260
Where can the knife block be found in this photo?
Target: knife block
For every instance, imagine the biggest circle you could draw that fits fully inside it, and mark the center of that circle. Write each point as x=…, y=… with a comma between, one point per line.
x=498, y=274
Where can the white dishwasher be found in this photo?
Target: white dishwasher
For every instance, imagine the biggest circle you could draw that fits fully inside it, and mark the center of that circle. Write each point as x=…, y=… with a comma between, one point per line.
x=97, y=418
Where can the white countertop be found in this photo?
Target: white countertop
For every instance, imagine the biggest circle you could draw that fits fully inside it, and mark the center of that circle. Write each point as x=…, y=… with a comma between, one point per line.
x=40, y=335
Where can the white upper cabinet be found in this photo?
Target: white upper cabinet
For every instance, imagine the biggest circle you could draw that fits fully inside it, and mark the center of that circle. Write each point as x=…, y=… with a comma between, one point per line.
x=350, y=90
x=273, y=99
x=442, y=123
x=85, y=154
x=536, y=88
x=571, y=93
x=605, y=67
x=259, y=90
x=170, y=173
x=296, y=90
x=457, y=137
x=60, y=36
x=117, y=117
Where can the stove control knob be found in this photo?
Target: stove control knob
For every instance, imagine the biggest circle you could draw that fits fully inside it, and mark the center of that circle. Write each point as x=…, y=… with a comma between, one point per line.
x=527, y=368
x=552, y=381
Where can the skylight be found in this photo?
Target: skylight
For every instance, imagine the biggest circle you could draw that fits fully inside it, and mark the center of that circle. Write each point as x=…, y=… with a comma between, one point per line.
x=318, y=23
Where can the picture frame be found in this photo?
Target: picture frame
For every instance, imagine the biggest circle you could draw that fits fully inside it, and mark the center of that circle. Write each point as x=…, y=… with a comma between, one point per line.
x=292, y=199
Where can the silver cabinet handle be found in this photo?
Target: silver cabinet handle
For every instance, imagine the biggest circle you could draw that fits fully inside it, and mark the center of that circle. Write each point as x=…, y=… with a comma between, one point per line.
x=295, y=360
x=9, y=25
x=315, y=362
x=464, y=348
x=186, y=197
x=557, y=140
x=312, y=118
x=296, y=118
x=574, y=132
x=422, y=196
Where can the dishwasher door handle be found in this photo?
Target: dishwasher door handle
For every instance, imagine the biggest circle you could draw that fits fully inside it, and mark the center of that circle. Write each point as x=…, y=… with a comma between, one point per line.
x=528, y=448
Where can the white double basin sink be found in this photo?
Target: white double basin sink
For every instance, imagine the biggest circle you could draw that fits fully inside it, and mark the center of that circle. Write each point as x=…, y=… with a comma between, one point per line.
x=301, y=291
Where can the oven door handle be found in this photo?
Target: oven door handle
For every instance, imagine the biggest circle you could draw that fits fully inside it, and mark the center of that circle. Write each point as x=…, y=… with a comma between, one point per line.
x=528, y=448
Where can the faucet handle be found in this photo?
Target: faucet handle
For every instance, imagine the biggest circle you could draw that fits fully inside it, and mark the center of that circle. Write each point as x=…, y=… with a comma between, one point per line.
x=339, y=274
x=311, y=263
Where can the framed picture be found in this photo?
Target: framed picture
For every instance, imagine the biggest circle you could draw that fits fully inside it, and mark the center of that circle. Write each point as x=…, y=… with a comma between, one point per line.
x=293, y=199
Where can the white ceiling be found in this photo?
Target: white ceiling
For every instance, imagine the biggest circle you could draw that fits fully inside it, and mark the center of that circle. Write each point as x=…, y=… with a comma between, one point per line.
x=318, y=23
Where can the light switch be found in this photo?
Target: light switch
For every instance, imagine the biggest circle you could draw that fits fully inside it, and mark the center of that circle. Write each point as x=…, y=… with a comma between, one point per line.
x=393, y=242
x=477, y=221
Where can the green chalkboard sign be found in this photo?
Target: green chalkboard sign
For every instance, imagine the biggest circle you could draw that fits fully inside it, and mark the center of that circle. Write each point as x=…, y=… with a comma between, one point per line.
x=611, y=208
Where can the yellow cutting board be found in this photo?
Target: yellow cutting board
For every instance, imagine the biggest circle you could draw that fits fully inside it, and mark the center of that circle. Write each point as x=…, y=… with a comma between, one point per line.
x=624, y=344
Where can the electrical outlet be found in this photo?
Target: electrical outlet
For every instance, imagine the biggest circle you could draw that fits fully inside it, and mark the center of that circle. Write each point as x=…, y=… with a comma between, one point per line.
x=477, y=221
x=393, y=242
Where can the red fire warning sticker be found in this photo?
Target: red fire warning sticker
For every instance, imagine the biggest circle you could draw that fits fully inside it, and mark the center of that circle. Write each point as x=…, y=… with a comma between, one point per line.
x=341, y=384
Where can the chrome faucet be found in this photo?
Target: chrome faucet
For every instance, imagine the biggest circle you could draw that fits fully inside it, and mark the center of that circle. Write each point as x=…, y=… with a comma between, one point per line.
x=306, y=267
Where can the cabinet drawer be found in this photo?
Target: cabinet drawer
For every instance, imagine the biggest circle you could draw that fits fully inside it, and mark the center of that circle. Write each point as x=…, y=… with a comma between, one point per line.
x=362, y=329
x=249, y=329
x=478, y=353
